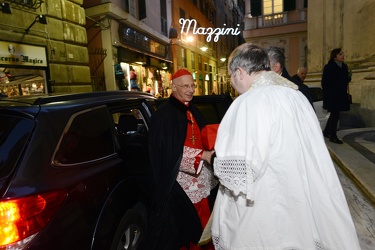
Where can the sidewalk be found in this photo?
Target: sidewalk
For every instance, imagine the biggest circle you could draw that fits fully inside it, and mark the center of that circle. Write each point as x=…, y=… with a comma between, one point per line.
x=356, y=157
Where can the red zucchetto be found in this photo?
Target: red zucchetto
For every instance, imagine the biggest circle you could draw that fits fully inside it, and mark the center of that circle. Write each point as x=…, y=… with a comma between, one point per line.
x=180, y=72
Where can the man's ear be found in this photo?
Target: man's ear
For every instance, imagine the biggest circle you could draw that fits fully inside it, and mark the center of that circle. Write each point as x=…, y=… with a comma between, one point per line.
x=241, y=71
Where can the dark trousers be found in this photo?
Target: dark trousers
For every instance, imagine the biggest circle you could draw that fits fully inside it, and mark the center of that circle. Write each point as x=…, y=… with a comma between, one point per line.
x=331, y=126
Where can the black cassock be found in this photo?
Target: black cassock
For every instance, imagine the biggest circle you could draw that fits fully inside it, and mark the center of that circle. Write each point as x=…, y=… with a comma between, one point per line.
x=174, y=221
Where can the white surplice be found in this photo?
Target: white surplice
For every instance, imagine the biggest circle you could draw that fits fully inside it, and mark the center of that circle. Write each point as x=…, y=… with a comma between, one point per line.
x=279, y=189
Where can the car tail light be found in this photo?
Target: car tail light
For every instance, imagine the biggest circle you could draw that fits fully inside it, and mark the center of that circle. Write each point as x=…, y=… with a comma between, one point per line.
x=23, y=217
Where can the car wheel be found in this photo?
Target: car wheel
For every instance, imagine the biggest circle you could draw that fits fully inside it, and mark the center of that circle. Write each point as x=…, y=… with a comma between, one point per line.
x=129, y=232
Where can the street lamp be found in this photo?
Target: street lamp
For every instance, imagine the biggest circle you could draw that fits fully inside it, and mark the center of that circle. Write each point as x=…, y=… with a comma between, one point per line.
x=204, y=48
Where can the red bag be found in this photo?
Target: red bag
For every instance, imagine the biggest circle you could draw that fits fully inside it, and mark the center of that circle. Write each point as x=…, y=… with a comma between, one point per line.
x=208, y=135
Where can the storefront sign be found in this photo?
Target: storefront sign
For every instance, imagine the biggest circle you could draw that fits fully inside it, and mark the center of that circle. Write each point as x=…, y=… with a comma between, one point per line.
x=22, y=54
x=209, y=32
x=138, y=40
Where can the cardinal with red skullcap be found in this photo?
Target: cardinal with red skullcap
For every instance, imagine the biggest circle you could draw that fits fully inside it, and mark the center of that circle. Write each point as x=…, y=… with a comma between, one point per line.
x=185, y=187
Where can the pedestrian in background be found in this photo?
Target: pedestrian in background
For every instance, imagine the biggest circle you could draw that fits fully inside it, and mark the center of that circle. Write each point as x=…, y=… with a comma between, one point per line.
x=301, y=74
x=181, y=168
x=335, y=81
x=299, y=79
x=277, y=60
x=278, y=186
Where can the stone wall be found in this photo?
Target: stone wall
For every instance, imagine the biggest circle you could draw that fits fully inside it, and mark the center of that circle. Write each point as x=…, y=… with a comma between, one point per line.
x=348, y=25
x=64, y=36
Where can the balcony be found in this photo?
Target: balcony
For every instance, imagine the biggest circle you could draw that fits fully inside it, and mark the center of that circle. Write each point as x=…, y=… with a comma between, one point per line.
x=284, y=18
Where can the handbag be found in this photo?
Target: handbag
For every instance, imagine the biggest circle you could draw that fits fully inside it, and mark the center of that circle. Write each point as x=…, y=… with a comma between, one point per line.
x=349, y=96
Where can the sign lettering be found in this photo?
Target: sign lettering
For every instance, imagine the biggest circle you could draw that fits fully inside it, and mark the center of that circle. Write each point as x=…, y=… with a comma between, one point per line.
x=188, y=24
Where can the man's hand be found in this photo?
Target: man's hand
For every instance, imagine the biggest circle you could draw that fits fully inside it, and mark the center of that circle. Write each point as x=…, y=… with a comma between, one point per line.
x=207, y=155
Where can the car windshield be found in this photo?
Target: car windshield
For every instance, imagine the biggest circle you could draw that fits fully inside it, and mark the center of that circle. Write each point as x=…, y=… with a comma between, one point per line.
x=14, y=132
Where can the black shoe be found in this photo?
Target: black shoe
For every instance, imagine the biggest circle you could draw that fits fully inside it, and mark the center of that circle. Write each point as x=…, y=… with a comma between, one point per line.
x=335, y=140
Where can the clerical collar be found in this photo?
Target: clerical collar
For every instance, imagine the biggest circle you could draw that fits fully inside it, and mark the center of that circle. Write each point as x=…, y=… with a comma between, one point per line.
x=185, y=103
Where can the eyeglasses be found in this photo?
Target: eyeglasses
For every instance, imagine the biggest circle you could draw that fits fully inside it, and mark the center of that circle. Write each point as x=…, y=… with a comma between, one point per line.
x=186, y=86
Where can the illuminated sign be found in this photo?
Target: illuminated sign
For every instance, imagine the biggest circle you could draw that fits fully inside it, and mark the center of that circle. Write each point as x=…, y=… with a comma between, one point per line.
x=22, y=54
x=209, y=32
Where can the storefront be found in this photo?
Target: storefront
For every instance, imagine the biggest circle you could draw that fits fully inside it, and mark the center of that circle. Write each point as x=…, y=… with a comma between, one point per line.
x=144, y=62
x=23, y=69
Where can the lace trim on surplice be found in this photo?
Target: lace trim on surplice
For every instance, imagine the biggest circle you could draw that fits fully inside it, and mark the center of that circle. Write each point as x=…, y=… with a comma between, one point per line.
x=237, y=175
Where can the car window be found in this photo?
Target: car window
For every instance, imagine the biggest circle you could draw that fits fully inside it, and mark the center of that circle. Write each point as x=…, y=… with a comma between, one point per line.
x=131, y=131
x=14, y=132
x=88, y=137
x=212, y=112
x=130, y=121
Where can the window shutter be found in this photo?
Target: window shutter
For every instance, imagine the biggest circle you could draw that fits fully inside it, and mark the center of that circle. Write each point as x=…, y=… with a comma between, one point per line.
x=142, y=9
x=289, y=5
x=256, y=7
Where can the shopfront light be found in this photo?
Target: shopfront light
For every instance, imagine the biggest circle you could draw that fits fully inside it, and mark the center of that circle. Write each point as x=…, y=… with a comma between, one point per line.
x=38, y=19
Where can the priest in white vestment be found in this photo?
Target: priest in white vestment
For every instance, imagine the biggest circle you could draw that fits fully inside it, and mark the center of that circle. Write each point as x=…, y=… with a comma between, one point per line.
x=278, y=187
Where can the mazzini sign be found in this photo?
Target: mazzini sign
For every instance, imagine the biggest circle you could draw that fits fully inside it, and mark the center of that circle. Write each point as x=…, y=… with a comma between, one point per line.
x=188, y=24
x=22, y=54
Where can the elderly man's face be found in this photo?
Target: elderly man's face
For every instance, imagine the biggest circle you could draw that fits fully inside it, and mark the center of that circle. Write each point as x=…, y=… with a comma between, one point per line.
x=184, y=88
x=302, y=74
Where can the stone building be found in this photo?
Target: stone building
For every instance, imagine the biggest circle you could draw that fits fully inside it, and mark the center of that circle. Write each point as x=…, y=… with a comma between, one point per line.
x=198, y=51
x=347, y=25
x=49, y=41
x=129, y=44
x=279, y=23
x=309, y=30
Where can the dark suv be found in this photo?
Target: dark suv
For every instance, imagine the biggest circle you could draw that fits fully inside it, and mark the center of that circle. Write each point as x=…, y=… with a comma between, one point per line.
x=74, y=170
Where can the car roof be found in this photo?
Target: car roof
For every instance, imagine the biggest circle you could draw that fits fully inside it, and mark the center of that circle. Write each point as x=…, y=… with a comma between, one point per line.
x=76, y=97
x=32, y=105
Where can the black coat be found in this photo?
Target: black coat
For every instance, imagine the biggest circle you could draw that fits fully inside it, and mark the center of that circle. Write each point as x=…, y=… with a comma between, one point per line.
x=174, y=221
x=335, y=82
x=303, y=88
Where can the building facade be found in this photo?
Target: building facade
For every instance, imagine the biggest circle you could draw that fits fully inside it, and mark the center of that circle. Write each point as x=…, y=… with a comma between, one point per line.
x=281, y=23
x=229, y=14
x=43, y=47
x=347, y=25
x=129, y=45
x=309, y=30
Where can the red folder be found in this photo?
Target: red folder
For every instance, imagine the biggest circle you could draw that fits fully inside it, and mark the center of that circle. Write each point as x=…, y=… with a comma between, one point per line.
x=208, y=135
